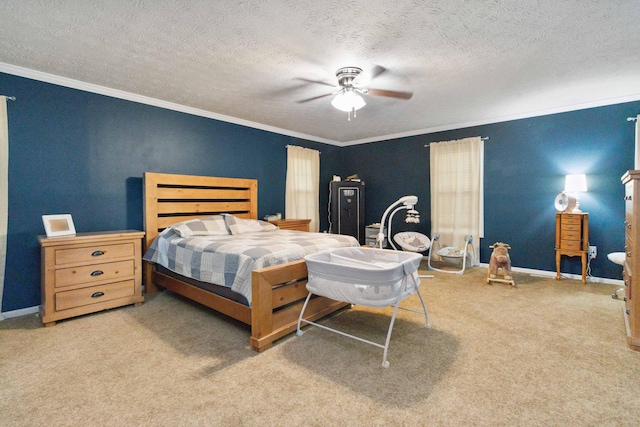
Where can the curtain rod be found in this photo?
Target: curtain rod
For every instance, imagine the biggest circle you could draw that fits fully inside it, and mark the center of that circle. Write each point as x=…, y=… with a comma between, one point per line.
x=10, y=98
x=484, y=138
x=289, y=145
x=632, y=119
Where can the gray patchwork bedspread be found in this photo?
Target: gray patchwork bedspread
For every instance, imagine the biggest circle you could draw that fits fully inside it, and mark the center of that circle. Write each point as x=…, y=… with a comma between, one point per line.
x=229, y=260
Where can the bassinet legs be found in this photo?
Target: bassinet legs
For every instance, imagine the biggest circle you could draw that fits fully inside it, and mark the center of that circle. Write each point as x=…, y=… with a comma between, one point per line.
x=385, y=362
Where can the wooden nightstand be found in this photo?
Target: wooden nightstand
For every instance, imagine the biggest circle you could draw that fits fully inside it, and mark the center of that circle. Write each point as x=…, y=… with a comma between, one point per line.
x=89, y=272
x=572, y=239
x=292, y=224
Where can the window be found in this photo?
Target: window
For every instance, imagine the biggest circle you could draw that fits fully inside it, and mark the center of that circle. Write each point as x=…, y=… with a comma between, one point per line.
x=457, y=191
x=303, y=185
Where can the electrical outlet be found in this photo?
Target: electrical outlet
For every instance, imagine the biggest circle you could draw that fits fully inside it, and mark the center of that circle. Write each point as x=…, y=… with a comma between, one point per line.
x=593, y=252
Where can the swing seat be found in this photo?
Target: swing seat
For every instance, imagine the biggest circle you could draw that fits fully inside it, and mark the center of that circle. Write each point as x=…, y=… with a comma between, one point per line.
x=412, y=241
x=452, y=255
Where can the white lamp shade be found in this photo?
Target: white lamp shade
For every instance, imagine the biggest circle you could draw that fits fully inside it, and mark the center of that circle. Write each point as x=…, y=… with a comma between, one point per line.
x=575, y=183
x=348, y=101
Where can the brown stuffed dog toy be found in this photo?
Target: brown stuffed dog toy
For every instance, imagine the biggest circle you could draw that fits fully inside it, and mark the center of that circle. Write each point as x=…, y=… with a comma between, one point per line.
x=500, y=259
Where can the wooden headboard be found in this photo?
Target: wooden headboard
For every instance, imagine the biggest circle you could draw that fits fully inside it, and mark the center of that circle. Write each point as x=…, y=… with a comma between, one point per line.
x=170, y=198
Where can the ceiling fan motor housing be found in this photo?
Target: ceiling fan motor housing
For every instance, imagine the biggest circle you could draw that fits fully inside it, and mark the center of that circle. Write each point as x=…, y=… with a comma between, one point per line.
x=346, y=75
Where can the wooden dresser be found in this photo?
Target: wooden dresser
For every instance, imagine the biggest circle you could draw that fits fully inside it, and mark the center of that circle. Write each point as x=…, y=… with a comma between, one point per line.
x=631, y=269
x=89, y=272
x=572, y=239
x=292, y=224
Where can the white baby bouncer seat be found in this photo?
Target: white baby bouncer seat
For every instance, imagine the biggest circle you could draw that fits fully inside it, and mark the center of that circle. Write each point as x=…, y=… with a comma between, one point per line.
x=452, y=255
x=412, y=241
x=369, y=277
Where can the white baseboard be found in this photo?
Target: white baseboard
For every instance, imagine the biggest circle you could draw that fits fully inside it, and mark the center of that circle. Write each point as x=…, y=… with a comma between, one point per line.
x=552, y=275
x=18, y=313
x=540, y=273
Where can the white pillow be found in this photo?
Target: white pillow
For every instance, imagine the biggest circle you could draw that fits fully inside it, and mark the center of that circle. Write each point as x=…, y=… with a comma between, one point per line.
x=240, y=225
x=209, y=226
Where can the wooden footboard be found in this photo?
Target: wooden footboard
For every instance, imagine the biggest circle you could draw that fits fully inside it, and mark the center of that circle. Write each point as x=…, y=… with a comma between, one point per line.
x=277, y=298
x=278, y=295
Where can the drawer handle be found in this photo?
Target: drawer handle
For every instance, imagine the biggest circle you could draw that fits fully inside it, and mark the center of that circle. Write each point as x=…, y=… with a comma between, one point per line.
x=97, y=294
x=97, y=273
x=628, y=254
x=97, y=253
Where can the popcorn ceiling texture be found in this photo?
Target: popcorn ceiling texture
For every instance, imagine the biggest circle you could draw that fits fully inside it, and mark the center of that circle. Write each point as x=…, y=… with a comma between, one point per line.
x=466, y=61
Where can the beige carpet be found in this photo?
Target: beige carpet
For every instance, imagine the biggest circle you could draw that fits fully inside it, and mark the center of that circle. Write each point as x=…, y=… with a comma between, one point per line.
x=548, y=353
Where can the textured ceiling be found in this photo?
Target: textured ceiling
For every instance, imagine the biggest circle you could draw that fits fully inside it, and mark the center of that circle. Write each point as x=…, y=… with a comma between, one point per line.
x=467, y=62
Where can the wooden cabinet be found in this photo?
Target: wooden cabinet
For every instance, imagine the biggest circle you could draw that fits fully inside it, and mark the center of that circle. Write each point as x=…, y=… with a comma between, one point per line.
x=572, y=239
x=631, y=269
x=89, y=272
x=292, y=224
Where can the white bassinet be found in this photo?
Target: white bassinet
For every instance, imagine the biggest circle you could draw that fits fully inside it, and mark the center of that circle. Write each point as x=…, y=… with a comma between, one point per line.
x=364, y=276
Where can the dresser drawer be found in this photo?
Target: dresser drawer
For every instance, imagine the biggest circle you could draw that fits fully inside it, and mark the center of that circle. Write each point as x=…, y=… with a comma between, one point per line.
x=570, y=220
x=94, y=273
x=94, y=294
x=97, y=253
x=571, y=234
x=571, y=227
x=572, y=245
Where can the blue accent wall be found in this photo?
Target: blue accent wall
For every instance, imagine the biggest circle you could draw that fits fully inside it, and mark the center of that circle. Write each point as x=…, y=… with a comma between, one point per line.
x=84, y=154
x=525, y=165
x=81, y=153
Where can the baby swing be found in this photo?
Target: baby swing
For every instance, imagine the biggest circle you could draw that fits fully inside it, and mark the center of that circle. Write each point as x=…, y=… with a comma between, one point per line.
x=369, y=277
x=451, y=255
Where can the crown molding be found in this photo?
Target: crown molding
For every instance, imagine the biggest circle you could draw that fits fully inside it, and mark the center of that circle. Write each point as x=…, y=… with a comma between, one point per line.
x=120, y=94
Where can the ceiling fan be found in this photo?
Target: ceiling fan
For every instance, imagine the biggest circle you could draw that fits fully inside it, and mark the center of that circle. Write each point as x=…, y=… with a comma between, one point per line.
x=352, y=82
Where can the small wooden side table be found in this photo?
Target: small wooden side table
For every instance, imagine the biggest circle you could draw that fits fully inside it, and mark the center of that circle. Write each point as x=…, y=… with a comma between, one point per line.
x=572, y=239
x=292, y=224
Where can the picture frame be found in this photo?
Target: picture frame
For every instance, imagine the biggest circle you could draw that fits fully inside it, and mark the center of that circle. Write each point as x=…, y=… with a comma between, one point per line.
x=58, y=225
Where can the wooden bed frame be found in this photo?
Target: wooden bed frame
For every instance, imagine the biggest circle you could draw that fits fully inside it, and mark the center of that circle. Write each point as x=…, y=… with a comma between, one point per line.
x=278, y=292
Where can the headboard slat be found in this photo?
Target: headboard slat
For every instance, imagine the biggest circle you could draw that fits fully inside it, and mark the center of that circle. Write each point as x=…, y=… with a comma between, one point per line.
x=170, y=193
x=208, y=208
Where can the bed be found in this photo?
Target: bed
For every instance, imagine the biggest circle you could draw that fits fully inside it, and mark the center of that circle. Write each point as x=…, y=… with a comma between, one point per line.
x=277, y=292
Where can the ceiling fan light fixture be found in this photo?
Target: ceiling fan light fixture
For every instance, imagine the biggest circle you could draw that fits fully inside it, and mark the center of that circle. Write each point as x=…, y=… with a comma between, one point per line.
x=348, y=101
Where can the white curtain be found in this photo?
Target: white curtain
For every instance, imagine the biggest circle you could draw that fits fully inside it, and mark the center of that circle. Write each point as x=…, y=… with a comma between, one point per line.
x=303, y=185
x=457, y=192
x=4, y=191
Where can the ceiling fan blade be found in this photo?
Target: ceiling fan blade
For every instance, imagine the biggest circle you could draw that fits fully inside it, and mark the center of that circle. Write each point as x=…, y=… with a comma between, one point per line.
x=390, y=93
x=316, y=81
x=314, y=98
x=364, y=78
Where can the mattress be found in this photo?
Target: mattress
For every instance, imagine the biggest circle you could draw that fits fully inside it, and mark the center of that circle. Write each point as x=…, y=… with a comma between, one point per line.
x=228, y=260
